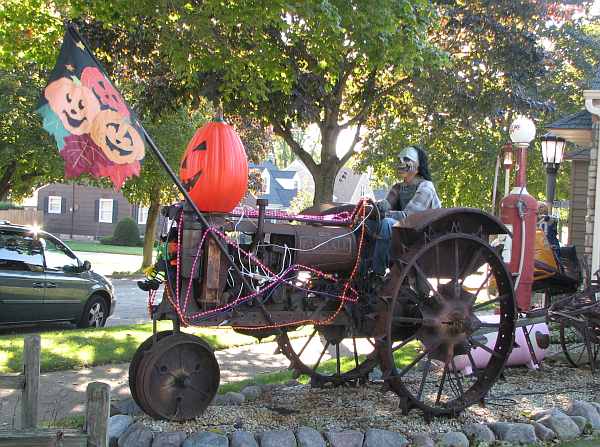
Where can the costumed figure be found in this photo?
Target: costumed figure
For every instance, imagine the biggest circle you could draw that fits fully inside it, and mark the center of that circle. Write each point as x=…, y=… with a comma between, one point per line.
x=549, y=225
x=413, y=194
x=166, y=260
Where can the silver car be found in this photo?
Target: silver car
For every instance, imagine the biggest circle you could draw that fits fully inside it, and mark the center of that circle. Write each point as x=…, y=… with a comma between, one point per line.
x=41, y=280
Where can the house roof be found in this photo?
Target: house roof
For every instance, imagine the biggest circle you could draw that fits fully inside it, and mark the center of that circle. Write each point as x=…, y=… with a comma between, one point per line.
x=578, y=120
x=274, y=170
x=278, y=195
x=594, y=82
x=579, y=153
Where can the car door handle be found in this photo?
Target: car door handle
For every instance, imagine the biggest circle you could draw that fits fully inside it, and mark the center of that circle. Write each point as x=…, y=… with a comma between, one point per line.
x=38, y=285
x=50, y=285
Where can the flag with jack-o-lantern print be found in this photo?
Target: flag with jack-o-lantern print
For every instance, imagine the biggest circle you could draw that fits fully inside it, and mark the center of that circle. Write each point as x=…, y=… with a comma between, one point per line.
x=94, y=129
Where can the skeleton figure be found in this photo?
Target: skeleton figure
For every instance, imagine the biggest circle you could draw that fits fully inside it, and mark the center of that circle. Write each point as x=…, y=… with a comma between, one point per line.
x=414, y=193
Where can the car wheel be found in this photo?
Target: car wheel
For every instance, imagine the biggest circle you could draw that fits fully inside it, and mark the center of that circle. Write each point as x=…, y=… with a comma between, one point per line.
x=95, y=313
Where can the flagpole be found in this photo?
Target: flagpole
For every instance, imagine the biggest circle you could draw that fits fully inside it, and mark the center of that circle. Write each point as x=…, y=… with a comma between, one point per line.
x=177, y=182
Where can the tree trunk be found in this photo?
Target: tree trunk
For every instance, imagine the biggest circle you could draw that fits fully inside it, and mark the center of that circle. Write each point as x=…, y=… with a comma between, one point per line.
x=324, y=177
x=151, y=223
x=5, y=180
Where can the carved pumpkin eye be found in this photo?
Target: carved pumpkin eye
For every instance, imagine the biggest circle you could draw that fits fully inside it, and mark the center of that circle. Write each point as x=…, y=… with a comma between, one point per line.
x=127, y=136
x=80, y=104
x=68, y=97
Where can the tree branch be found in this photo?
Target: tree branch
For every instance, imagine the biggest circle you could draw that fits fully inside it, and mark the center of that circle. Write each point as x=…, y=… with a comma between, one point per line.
x=376, y=95
x=6, y=177
x=355, y=141
x=286, y=133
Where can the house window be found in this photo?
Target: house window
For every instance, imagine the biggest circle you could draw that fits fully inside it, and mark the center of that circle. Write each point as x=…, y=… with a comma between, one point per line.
x=105, y=210
x=142, y=215
x=54, y=204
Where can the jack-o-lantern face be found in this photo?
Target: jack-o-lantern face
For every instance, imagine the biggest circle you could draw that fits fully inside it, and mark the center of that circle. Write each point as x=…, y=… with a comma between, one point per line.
x=214, y=168
x=119, y=140
x=92, y=77
x=75, y=105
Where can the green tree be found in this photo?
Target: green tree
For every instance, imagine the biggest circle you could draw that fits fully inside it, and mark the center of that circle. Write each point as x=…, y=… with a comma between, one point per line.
x=498, y=66
x=28, y=157
x=292, y=64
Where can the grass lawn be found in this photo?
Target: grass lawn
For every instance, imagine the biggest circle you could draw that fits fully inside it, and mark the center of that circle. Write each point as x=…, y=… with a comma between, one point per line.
x=80, y=348
x=96, y=247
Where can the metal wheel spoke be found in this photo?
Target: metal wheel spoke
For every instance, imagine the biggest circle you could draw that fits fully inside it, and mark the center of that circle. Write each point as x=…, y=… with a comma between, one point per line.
x=459, y=382
x=442, y=383
x=488, y=302
x=484, y=347
x=487, y=278
x=307, y=342
x=407, y=320
x=404, y=343
x=416, y=360
x=471, y=264
x=314, y=368
x=426, y=369
x=473, y=365
x=456, y=265
x=424, y=278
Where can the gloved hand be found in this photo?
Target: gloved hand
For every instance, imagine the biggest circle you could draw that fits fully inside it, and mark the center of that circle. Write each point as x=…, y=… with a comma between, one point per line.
x=383, y=206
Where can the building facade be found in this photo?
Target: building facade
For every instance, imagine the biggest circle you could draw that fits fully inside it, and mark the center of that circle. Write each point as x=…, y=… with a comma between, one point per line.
x=74, y=211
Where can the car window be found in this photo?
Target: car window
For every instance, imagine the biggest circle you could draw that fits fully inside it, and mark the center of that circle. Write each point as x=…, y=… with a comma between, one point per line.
x=20, y=251
x=57, y=256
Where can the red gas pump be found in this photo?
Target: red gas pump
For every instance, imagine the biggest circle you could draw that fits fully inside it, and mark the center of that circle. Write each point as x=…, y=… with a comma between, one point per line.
x=518, y=210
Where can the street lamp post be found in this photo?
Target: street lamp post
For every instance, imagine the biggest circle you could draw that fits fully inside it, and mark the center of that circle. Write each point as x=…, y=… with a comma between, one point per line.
x=507, y=162
x=552, y=155
x=519, y=212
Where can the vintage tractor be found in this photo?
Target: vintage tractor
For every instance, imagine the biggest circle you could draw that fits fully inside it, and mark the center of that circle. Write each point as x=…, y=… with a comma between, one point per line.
x=266, y=273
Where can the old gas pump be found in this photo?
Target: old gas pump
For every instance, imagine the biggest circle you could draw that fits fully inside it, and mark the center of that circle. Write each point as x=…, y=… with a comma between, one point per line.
x=518, y=211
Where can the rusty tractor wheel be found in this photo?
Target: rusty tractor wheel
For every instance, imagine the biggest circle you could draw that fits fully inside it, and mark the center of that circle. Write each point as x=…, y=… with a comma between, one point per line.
x=330, y=355
x=137, y=358
x=177, y=378
x=578, y=342
x=450, y=324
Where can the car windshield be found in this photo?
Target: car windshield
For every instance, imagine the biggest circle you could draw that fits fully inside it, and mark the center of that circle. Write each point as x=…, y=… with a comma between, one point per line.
x=57, y=256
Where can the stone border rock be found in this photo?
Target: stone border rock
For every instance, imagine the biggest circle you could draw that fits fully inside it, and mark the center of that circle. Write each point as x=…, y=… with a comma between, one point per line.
x=576, y=419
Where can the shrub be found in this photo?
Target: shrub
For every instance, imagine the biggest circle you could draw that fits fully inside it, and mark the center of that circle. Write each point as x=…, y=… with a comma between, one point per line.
x=126, y=233
x=9, y=206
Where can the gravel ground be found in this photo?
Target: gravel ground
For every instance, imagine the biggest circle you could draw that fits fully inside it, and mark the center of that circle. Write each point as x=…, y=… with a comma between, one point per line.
x=521, y=393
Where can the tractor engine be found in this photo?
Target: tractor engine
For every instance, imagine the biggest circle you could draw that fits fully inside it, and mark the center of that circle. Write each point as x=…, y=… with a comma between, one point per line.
x=328, y=249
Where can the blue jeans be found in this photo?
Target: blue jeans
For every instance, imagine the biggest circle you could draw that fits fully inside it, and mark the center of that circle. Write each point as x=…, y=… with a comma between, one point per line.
x=383, y=243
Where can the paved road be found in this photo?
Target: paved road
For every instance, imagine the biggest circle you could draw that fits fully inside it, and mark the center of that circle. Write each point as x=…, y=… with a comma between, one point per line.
x=131, y=303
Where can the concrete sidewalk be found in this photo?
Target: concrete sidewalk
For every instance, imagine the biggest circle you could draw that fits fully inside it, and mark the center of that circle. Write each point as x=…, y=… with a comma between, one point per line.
x=62, y=393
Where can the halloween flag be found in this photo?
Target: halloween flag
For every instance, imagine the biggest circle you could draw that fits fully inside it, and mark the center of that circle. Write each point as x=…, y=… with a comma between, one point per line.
x=93, y=127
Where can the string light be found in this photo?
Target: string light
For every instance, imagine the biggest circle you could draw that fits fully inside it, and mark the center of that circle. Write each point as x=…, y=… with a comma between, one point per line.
x=349, y=294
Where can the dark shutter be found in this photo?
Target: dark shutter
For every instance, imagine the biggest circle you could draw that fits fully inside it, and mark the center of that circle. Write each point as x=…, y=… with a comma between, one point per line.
x=135, y=210
x=63, y=205
x=97, y=210
x=115, y=215
x=46, y=205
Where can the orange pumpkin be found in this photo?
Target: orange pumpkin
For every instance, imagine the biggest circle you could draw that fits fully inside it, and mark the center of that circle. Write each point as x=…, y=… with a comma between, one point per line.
x=118, y=139
x=75, y=104
x=214, y=168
